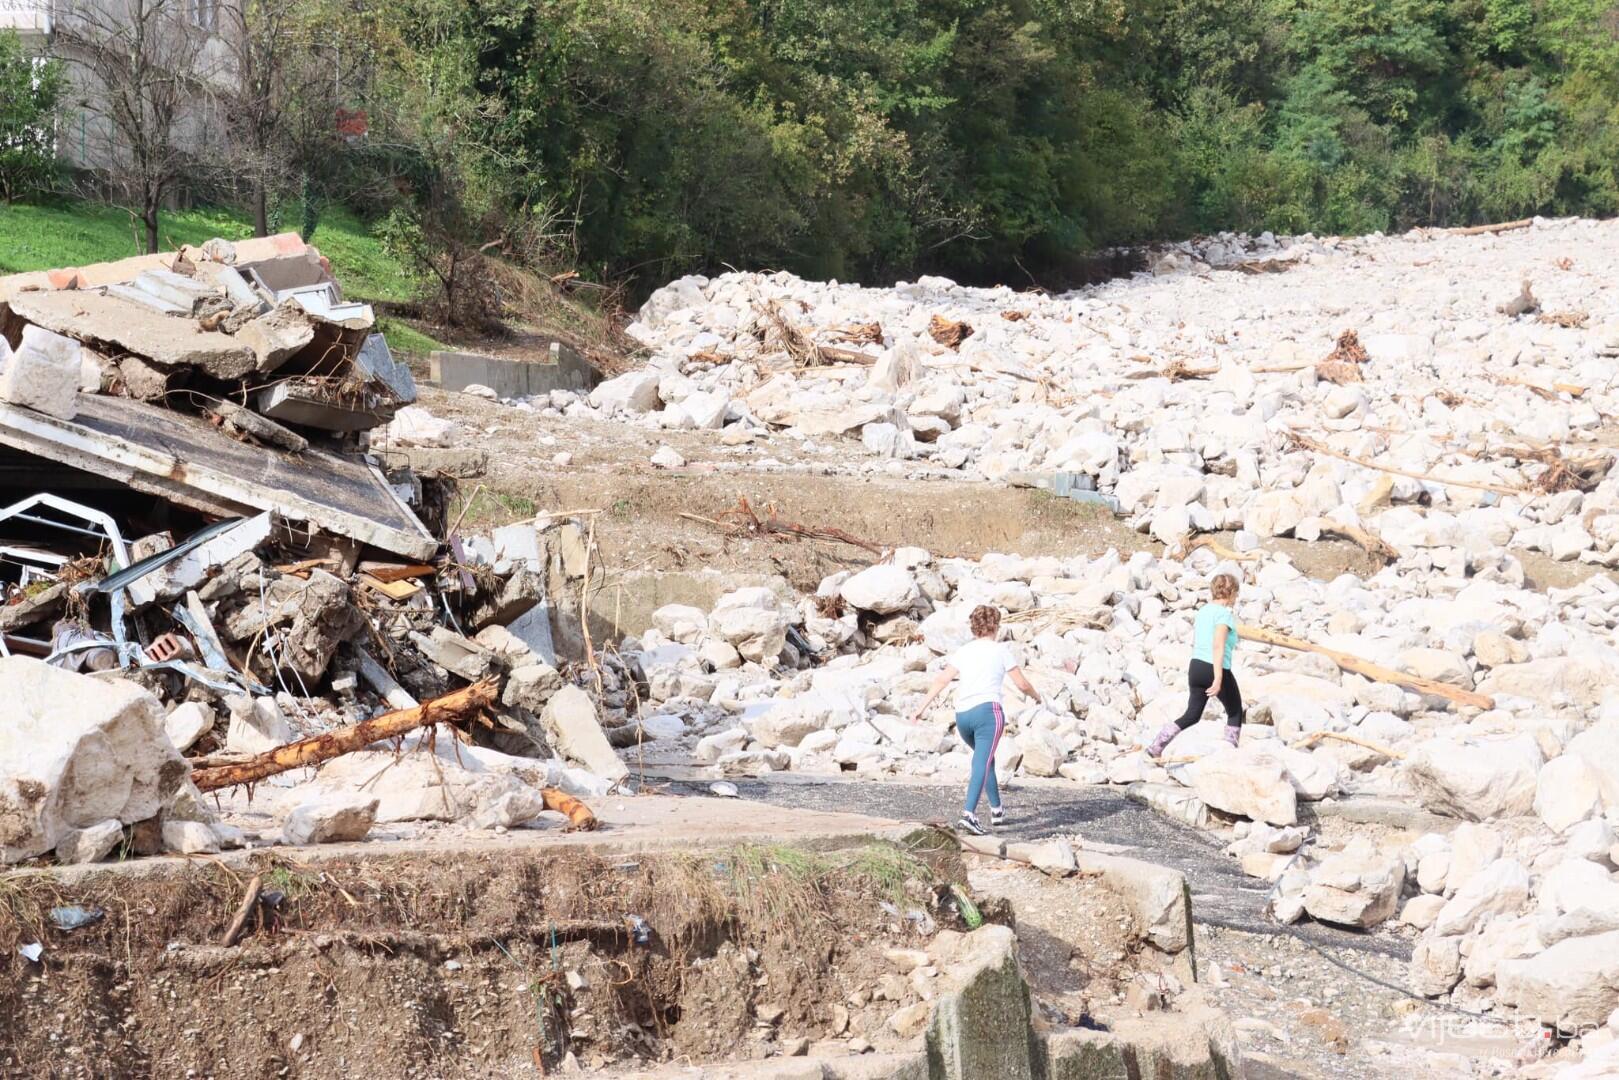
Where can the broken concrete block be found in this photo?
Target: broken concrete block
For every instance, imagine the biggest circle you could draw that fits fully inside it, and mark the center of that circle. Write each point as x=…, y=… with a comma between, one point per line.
x=200, y=563
x=970, y=1036
x=256, y=725
x=43, y=374
x=456, y=654
x=333, y=819
x=570, y=721
x=278, y=336
x=76, y=751
x=1055, y=857
x=510, y=809
x=531, y=687
x=162, y=339
x=189, y=838
x=188, y=722
x=375, y=363
x=90, y=844
x=417, y=787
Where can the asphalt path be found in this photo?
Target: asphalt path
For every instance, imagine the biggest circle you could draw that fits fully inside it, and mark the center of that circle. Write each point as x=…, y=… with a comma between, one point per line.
x=1221, y=894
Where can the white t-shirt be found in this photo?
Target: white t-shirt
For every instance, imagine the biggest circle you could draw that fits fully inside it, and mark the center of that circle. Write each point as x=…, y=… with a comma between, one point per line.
x=981, y=666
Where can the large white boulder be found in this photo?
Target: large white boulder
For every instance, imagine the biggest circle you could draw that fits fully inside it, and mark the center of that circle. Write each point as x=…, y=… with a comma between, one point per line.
x=1242, y=782
x=1358, y=886
x=1502, y=888
x=633, y=391
x=1582, y=679
x=681, y=623
x=1567, y=792
x=1476, y=779
x=422, y=785
x=1573, y=985
x=882, y=589
x=43, y=374
x=331, y=820
x=76, y=751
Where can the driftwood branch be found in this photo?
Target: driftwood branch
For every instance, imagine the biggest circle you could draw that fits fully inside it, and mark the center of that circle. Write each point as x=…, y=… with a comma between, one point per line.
x=1501, y=227
x=1350, y=662
x=1369, y=542
x=1315, y=737
x=461, y=705
x=1192, y=543
x=344, y=740
x=1311, y=445
x=244, y=911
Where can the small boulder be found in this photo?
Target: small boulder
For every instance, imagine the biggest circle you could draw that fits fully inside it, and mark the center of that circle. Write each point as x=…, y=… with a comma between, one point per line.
x=333, y=819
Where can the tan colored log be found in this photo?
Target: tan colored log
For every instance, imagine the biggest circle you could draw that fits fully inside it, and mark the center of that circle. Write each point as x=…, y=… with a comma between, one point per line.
x=1322, y=448
x=244, y=911
x=1311, y=739
x=1369, y=542
x=1191, y=544
x=580, y=818
x=1501, y=227
x=1374, y=672
x=317, y=748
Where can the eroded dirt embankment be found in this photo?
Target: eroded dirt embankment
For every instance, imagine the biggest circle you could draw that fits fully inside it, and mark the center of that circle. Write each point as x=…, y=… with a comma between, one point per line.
x=453, y=965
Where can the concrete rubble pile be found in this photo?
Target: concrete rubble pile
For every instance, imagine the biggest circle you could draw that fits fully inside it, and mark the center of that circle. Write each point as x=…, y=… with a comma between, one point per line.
x=1459, y=444
x=200, y=554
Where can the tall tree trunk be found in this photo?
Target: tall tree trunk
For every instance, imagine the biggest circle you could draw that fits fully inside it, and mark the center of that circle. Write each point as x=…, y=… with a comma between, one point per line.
x=149, y=219
x=261, y=208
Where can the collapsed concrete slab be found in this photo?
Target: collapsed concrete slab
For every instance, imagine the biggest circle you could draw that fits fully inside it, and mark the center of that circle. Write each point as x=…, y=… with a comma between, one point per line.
x=120, y=326
x=76, y=751
x=186, y=460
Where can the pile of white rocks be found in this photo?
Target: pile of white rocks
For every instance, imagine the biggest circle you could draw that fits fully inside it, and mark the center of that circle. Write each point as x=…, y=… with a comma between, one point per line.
x=1085, y=383
x=825, y=682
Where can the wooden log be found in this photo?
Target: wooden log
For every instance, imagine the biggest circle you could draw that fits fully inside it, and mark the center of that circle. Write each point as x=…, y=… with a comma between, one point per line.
x=1191, y=544
x=1500, y=227
x=460, y=705
x=244, y=911
x=1369, y=542
x=580, y=818
x=1350, y=662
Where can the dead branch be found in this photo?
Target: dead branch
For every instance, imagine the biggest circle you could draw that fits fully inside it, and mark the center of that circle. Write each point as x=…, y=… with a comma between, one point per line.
x=1192, y=543
x=1366, y=668
x=459, y=706
x=1315, y=737
x=1339, y=372
x=1480, y=230
x=580, y=818
x=742, y=518
x=1369, y=542
x=1303, y=443
x=244, y=911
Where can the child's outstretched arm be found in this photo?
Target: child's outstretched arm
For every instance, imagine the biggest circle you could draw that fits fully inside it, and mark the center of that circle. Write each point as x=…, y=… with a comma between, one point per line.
x=946, y=675
x=1021, y=681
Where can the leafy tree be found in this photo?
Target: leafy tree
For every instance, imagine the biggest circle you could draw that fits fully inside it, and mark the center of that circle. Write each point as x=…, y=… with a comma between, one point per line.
x=30, y=91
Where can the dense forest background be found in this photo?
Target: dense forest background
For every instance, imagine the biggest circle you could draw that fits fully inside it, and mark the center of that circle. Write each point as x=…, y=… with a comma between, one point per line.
x=875, y=139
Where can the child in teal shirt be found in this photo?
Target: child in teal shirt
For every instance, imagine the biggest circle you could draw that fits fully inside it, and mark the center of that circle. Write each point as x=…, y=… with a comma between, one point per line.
x=1214, y=641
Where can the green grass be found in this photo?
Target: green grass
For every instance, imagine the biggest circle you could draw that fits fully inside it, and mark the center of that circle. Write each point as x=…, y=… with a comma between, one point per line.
x=42, y=237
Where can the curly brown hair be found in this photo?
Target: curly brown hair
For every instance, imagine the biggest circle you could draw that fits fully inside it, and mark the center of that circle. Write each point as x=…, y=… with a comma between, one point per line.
x=985, y=620
x=1223, y=588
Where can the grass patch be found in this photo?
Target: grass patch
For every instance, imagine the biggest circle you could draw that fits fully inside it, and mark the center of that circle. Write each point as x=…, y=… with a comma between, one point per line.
x=495, y=508
x=404, y=338
x=43, y=237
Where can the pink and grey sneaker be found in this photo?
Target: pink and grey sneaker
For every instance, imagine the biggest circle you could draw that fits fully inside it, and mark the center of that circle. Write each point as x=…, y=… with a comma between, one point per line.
x=1233, y=732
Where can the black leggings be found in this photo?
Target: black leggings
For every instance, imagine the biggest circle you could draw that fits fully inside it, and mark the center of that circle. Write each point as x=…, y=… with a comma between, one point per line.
x=1201, y=676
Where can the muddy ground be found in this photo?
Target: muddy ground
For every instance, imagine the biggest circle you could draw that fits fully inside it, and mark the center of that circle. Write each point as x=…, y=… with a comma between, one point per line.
x=510, y=965
x=649, y=517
